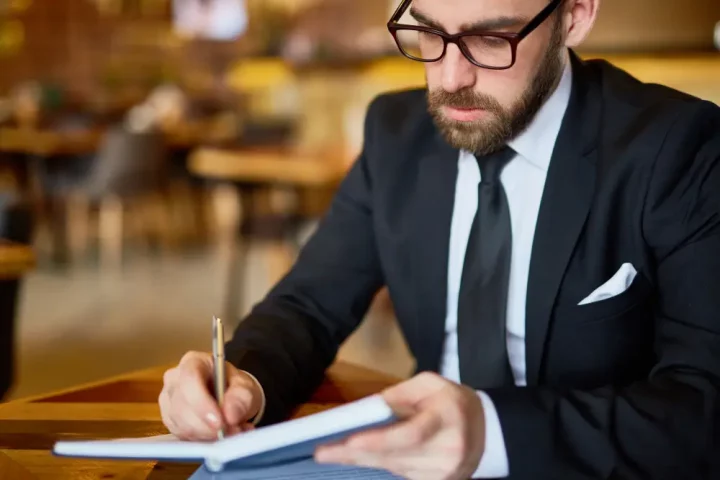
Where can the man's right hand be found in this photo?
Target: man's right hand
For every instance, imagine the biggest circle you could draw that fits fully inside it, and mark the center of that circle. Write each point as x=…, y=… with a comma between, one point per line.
x=189, y=409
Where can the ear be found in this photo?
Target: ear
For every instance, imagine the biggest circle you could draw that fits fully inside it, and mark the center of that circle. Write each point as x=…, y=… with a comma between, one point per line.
x=579, y=16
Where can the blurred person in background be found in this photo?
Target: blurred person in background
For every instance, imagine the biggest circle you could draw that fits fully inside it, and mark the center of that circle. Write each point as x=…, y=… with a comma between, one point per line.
x=210, y=19
x=548, y=229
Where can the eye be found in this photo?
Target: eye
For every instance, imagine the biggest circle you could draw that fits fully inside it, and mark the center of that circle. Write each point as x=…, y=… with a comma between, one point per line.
x=491, y=42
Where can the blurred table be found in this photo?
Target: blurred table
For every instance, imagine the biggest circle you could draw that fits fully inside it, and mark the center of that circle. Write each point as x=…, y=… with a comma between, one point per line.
x=46, y=143
x=126, y=406
x=252, y=171
x=15, y=259
x=268, y=166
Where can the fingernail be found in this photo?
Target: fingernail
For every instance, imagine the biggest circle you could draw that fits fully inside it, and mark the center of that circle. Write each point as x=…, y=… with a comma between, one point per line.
x=213, y=419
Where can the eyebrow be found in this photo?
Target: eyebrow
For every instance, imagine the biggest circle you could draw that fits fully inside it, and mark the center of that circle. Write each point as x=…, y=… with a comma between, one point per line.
x=489, y=25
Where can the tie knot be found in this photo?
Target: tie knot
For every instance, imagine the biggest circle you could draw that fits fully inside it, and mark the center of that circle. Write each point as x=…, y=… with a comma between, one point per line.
x=491, y=166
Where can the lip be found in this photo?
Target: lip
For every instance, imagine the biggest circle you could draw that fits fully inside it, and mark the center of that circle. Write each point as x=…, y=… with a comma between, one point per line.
x=464, y=114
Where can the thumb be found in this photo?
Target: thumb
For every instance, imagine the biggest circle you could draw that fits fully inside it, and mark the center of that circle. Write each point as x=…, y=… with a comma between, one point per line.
x=242, y=400
x=404, y=397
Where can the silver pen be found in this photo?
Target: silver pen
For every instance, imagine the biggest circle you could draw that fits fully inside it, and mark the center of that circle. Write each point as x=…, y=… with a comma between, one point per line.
x=219, y=365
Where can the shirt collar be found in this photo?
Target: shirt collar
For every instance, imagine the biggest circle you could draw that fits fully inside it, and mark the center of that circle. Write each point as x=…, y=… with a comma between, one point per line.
x=537, y=141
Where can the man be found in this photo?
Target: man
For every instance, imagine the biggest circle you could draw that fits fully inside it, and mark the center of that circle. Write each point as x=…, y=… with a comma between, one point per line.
x=580, y=313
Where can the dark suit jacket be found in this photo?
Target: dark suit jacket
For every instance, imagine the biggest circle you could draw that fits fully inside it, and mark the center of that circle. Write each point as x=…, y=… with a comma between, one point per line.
x=625, y=388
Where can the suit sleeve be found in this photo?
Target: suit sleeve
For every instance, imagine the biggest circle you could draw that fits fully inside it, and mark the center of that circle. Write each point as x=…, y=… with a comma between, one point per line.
x=666, y=425
x=292, y=336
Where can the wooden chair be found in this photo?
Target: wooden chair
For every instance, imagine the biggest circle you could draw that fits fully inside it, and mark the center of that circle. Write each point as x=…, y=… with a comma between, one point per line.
x=129, y=166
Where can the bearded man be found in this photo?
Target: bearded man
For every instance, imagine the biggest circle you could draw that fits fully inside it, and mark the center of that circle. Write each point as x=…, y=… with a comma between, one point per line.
x=548, y=229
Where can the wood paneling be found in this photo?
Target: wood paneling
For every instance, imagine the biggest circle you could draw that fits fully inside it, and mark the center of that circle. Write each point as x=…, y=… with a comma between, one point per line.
x=651, y=25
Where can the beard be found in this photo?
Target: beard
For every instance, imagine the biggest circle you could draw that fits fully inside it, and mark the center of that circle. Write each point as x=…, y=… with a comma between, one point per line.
x=486, y=136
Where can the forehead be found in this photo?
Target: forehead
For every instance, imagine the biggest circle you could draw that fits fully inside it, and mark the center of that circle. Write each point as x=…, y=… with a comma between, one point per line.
x=453, y=15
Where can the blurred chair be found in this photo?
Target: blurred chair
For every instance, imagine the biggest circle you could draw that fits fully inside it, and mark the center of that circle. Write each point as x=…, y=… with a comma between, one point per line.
x=130, y=170
x=15, y=226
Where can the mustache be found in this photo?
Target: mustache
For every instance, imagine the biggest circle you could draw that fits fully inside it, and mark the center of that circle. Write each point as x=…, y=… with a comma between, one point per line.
x=465, y=98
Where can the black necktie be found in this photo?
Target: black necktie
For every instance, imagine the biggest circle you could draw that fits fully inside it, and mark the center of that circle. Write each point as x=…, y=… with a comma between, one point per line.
x=482, y=302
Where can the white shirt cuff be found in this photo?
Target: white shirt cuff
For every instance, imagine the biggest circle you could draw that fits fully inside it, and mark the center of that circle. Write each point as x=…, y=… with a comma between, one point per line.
x=256, y=419
x=494, y=462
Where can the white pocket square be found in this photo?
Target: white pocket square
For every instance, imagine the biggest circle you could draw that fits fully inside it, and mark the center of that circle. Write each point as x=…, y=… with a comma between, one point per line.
x=620, y=282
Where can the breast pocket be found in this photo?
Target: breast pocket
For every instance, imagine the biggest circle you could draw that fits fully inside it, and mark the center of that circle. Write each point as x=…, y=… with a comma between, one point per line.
x=635, y=296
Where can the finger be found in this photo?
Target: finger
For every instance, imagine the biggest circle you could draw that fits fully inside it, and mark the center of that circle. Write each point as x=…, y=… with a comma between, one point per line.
x=165, y=408
x=411, y=466
x=408, y=435
x=190, y=424
x=411, y=392
x=346, y=456
x=194, y=393
x=242, y=401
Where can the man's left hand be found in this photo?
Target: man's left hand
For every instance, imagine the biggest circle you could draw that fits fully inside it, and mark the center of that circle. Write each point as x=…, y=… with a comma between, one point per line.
x=441, y=434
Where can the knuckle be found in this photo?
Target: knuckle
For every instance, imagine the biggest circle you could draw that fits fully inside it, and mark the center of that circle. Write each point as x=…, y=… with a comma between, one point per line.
x=169, y=376
x=426, y=376
x=192, y=359
x=163, y=401
x=190, y=356
x=430, y=378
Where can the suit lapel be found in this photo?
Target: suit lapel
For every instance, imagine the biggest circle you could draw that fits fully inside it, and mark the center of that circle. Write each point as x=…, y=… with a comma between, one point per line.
x=437, y=174
x=565, y=204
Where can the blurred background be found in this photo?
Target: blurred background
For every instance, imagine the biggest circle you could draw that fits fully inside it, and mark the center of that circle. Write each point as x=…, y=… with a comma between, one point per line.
x=162, y=161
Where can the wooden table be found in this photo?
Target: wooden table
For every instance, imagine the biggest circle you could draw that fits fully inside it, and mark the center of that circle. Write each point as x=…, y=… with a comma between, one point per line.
x=266, y=166
x=125, y=406
x=49, y=142
x=15, y=260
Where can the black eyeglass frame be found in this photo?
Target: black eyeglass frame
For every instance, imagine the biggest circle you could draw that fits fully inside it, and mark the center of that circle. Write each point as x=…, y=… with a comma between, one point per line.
x=513, y=38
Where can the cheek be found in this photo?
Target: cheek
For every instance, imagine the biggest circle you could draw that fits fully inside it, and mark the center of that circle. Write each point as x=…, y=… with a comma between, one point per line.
x=532, y=49
x=505, y=86
x=433, y=75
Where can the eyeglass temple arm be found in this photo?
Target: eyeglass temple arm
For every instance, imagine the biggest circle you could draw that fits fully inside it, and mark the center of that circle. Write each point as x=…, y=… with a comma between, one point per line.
x=540, y=18
x=399, y=11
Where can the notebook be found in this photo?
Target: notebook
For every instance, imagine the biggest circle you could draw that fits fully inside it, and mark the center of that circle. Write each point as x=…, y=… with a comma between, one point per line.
x=283, y=443
x=305, y=469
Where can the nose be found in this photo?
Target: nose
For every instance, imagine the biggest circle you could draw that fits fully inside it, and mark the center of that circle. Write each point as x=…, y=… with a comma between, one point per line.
x=457, y=71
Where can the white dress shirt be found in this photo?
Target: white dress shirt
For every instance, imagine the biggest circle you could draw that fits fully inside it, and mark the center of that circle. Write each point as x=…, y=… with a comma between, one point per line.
x=524, y=180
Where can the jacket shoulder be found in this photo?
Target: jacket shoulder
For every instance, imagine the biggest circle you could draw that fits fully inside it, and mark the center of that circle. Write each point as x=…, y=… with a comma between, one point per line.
x=623, y=87
x=398, y=112
x=644, y=109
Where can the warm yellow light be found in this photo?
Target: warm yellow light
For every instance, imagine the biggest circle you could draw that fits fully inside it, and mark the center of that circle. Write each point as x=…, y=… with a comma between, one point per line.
x=12, y=36
x=20, y=5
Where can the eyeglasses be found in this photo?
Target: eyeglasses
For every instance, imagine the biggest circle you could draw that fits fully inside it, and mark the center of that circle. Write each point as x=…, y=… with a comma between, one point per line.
x=492, y=50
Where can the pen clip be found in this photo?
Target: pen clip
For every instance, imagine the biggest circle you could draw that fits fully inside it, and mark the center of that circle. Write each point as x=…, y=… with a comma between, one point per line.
x=217, y=336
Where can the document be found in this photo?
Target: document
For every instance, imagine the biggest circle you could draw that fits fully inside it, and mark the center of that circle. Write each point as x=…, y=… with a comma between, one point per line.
x=271, y=446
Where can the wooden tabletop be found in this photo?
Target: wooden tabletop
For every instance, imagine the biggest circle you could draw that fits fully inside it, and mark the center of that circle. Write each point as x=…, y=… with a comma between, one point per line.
x=125, y=406
x=49, y=142
x=15, y=260
x=267, y=166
